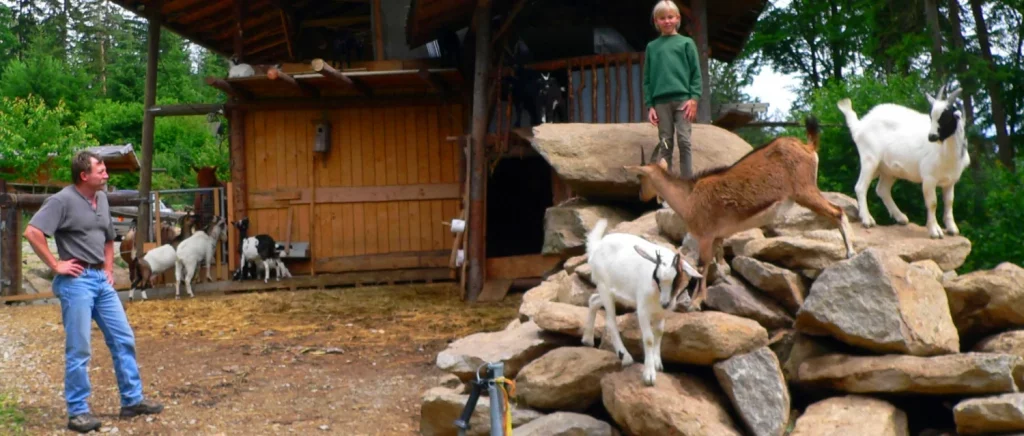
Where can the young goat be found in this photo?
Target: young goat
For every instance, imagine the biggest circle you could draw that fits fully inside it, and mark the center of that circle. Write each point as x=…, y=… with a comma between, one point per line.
x=719, y=202
x=198, y=247
x=158, y=260
x=246, y=269
x=895, y=142
x=640, y=274
x=262, y=248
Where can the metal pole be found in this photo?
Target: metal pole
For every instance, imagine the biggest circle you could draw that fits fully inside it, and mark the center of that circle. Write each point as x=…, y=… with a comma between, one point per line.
x=497, y=370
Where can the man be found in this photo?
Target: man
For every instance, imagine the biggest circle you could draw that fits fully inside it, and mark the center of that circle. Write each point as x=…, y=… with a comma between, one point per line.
x=78, y=218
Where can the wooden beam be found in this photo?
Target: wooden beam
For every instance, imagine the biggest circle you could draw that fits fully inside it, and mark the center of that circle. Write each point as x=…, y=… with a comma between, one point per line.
x=305, y=88
x=378, y=31
x=371, y=262
x=476, y=254
x=516, y=267
x=228, y=88
x=286, y=197
x=435, y=81
x=239, y=12
x=148, y=129
x=10, y=248
x=30, y=202
x=185, y=109
x=345, y=21
x=700, y=27
x=509, y=19
x=239, y=191
x=289, y=31
x=338, y=77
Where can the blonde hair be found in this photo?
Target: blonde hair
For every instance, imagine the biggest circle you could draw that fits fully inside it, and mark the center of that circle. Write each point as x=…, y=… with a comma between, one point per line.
x=663, y=7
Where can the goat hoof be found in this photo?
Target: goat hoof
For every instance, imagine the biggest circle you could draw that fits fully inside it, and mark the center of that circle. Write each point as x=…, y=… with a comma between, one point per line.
x=588, y=342
x=627, y=359
x=649, y=375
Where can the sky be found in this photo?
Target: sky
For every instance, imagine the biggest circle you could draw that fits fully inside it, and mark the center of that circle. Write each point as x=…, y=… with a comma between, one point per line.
x=775, y=89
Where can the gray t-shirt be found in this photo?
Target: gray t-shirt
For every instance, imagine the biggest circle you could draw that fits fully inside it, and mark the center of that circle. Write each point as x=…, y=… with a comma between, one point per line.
x=80, y=231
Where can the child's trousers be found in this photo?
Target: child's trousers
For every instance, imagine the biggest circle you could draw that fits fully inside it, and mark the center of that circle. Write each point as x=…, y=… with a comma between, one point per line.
x=672, y=121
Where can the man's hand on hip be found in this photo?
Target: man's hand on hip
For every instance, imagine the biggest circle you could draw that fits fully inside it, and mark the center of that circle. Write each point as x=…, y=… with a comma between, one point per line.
x=68, y=268
x=110, y=274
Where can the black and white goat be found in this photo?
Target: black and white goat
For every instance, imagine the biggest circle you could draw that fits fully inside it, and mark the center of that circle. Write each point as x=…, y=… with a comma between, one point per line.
x=259, y=248
x=539, y=93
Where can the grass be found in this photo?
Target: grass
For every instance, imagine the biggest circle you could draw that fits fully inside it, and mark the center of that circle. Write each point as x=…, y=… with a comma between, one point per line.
x=12, y=419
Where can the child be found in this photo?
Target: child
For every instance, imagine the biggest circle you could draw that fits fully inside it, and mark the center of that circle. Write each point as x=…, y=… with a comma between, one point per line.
x=672, y=85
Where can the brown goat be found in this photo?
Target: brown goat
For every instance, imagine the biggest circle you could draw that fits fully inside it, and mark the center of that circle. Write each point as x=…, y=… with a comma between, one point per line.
x=719, y=202
x=168, y=234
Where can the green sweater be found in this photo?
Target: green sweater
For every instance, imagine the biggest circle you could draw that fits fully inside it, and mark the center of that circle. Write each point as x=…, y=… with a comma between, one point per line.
x=671, y=70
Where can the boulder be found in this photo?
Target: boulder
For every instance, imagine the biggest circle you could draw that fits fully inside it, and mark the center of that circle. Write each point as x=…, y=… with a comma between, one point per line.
x=793, y=348
x=574, y=262
x=734, y=296
x=931, y=268
x=783, y=285
x=793, y=219
x=677, y=404
x=852, y=415
x=577, y=293
x=878, y=302
x=440, y=407
x=735, y=244
x=997, y=414
x=1011, y=342
x=959, y=374
x=567, y=224
x=670, y=224
x=515, y=347
x=546, y=291
x=754, y=383
x=796, y=252
x=566, y=424
x=645, y=227
x=699, y=338
x=589, y=157
x=566, y=378
x=985, y=301
x=567, y=319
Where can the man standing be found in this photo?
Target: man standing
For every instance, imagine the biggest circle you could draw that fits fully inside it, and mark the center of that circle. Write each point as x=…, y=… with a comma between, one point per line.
x=78, y=218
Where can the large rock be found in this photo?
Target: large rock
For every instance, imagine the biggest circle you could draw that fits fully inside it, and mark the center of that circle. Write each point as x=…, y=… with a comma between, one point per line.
x=677, y=404
x=962, y=374
x=737, y=242
x=794, y=219
x=878, y=302
x=754, y=383
x=567, y=224
x=1011, y=342
x=783, y=285
x=671, y=224
x=567, y=378
x=733, y=296
x=852, y=415
x=566, y=424
x=577, y=293
x=820, y=249
x=515, y=347
x=590, y=157
x=546, y=291
x=441, y=406
x=793, y=348
x=699, y=338
x=567, y=319
x=985, y=301
x=645, y=227
x=998, y=414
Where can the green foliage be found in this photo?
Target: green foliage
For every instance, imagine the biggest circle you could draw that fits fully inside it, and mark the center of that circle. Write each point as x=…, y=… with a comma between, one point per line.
x=12, y=419
x=32, y=134
x=47, y=76
x=989, y=209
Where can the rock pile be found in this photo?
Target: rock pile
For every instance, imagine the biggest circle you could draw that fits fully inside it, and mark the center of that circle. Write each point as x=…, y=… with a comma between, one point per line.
x=794, y=339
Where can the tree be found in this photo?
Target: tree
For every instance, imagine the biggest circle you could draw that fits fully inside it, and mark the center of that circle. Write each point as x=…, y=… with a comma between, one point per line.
x=33, y=134
x=992, y=82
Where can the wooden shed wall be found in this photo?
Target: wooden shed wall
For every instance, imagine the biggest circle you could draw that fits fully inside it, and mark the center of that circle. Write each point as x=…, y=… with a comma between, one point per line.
x=382, y=191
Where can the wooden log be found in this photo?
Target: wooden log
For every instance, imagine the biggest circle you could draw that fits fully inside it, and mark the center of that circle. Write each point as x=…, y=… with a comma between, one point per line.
x=239, y=191
x=30, y=202
x=629, y=86
x=378, y=32
x=228, y=88
x=305, y=88
x=148, y=129
x=158, y=228
x=185, y=109
x=220, y=274
x=477, y=252
x=700, y=27
x=338, y=77
x=607, y=90
x=593, y=92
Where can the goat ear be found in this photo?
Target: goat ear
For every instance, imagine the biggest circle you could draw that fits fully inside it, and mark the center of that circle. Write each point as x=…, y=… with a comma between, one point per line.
x=953, y=95
x=689, y=269
x=931, y=100
x=644, y=254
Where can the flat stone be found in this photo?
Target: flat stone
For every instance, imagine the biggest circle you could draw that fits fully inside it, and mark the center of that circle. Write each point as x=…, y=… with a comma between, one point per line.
x=755, y=385
x=987, y=301
x=852, y=415
x=566, y=378
x=998, y=414
x=515, y=347
x=784, y=286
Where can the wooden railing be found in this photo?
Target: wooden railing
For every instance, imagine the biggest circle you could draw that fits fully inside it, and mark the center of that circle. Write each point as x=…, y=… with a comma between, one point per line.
x=616, y=98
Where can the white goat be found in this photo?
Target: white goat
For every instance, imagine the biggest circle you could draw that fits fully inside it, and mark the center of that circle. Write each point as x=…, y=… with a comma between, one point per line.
x=895, y=142
x=154, y=263
x=198, y=247
x=240, y=70
x=640, y=274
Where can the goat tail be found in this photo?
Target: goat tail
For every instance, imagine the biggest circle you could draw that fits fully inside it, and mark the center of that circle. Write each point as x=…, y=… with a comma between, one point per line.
x=846, y=107
x=813, y=132
x=595, y=235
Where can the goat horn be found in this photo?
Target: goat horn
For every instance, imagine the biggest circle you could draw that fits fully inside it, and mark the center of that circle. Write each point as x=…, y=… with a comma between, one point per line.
x=953, y=95
x=642, y=162
x=942, y=92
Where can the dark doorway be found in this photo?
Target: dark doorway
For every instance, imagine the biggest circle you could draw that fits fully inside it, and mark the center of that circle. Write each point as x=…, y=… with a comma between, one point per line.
x=518, y=194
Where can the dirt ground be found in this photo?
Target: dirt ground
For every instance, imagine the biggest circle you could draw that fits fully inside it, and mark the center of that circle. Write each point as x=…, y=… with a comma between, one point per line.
x=349, y=361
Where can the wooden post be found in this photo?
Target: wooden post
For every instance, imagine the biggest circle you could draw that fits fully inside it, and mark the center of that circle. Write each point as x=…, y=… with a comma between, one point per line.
x=220, y=251
x=477, y=253
x=378, y=32
x=159, y=221
x=232, y=242
x=312, y=215
x=148, y=124
x=237, y=162
x=10, y=261
x=700, y=28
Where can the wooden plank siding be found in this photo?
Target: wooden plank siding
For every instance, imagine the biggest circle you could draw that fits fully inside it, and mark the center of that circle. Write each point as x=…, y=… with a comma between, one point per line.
x=379, y=196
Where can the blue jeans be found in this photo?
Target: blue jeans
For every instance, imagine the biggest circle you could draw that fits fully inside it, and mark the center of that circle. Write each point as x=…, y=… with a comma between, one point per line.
x=83, y=299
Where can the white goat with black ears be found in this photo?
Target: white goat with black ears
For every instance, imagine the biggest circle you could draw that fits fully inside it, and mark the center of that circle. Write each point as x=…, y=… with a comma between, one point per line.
x=637, y=273
x=895, y=142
